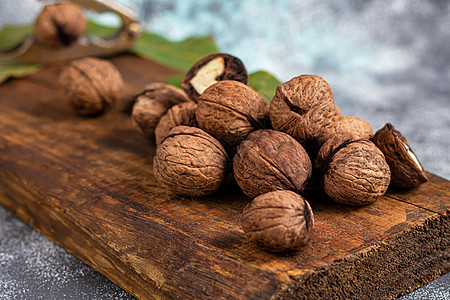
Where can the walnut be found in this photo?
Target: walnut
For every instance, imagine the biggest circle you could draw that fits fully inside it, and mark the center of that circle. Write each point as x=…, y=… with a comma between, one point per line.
x=153, y=103
x=278, y=221
x=345, y=125
x=92, y=85
x=211, y=69
x=180, y=114
x=59, y=24
x=190, y=162
x=406, y=170
x=353, y=172
x=302, y=107
x=270, y=160
x=230, y=110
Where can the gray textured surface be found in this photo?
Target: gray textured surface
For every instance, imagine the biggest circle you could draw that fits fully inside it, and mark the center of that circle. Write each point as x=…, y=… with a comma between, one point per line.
x=387, y=61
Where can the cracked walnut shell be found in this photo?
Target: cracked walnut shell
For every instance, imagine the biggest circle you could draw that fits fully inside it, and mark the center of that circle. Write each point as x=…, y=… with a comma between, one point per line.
x=278, y=221
x=59, y=24
x=270, y=160
x=302, y=107
x=190, y=162
x=211, y=69
x=230, y=110
x=153, y=103
x=406, y=170
x=353, y=172
x=92, y=85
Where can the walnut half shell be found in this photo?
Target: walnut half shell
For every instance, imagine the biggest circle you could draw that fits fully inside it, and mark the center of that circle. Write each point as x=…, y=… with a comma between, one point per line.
x=406, y=170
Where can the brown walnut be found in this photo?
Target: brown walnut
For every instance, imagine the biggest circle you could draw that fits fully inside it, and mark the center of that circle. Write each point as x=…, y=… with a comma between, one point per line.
x=92, y=85
x=278, y=221
x=341, y=125
x=302, y=107
x=406, y=170
x=180, y=114
x=353, y=172
x=270, y=160
x=230, y=110
x=59, y=24
x=211, y=69
x=153, y=103
x=190, y=162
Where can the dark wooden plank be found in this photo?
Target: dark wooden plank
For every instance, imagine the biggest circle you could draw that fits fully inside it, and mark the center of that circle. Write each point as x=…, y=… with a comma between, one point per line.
x=88, y=185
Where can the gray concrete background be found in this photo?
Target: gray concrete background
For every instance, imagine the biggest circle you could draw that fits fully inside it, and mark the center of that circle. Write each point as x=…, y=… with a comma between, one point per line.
x=387, y=61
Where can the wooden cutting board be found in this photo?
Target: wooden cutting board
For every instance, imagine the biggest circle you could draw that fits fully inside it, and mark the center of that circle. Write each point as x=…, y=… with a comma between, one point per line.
x=87, y=184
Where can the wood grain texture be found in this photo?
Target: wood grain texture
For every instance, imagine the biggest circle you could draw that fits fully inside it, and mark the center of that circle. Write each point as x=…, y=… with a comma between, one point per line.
x=87, y=184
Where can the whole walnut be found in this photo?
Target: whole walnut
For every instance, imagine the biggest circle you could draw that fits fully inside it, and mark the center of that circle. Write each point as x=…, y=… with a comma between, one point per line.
x=353, y=172
x=230, y=110
x=190, y=162
x=270, y=160
x=278, y=221
x=406, y=170
x=211, y=69
x=346, y=125
x=302, y=107
x=92, y=85
x=153, y=103
x=59, y=24
x=180, y=114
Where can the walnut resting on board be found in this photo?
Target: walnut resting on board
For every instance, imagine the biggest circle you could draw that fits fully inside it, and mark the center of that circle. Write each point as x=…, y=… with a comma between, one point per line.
x=153, y=103
x=59, y=24
x=92, y=85
x=180, y=114
x=211, y=69
x=190, y=162
x=278, y=221
x=406, y=170
x=353, y=172
x=230, y=110
x=270, y=160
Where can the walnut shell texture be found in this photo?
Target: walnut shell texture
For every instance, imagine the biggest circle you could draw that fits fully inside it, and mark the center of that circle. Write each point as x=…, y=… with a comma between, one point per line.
x=216, y=67
x=190, y=162
x=278, y=221
x=92, y=85
x=153, y=103
x=59, y=24
x=303, y=106
x=406, y=170
x=355, y=172
x=180, y=114
x=357, y=128
x=230, y=110
x=270, y=160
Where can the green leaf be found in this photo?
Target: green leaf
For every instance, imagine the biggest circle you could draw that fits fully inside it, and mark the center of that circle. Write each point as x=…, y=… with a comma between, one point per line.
x=179, y=55
x=264, y=83
x=17, y=71
x=176, y=80
x=13, y=35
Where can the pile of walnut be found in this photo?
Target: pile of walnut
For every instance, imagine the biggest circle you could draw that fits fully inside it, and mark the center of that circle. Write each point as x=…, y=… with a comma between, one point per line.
x=218, y=121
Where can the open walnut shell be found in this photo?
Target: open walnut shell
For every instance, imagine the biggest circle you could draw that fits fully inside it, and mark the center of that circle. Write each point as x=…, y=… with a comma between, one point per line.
x=153, y=103
x=230, y=110
x=190, y=162
x=270, y=160
x=211, y=69
x=180, y=114
x=302, y=107
x=406, y=170
x=278, y=221
x=353, y=172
